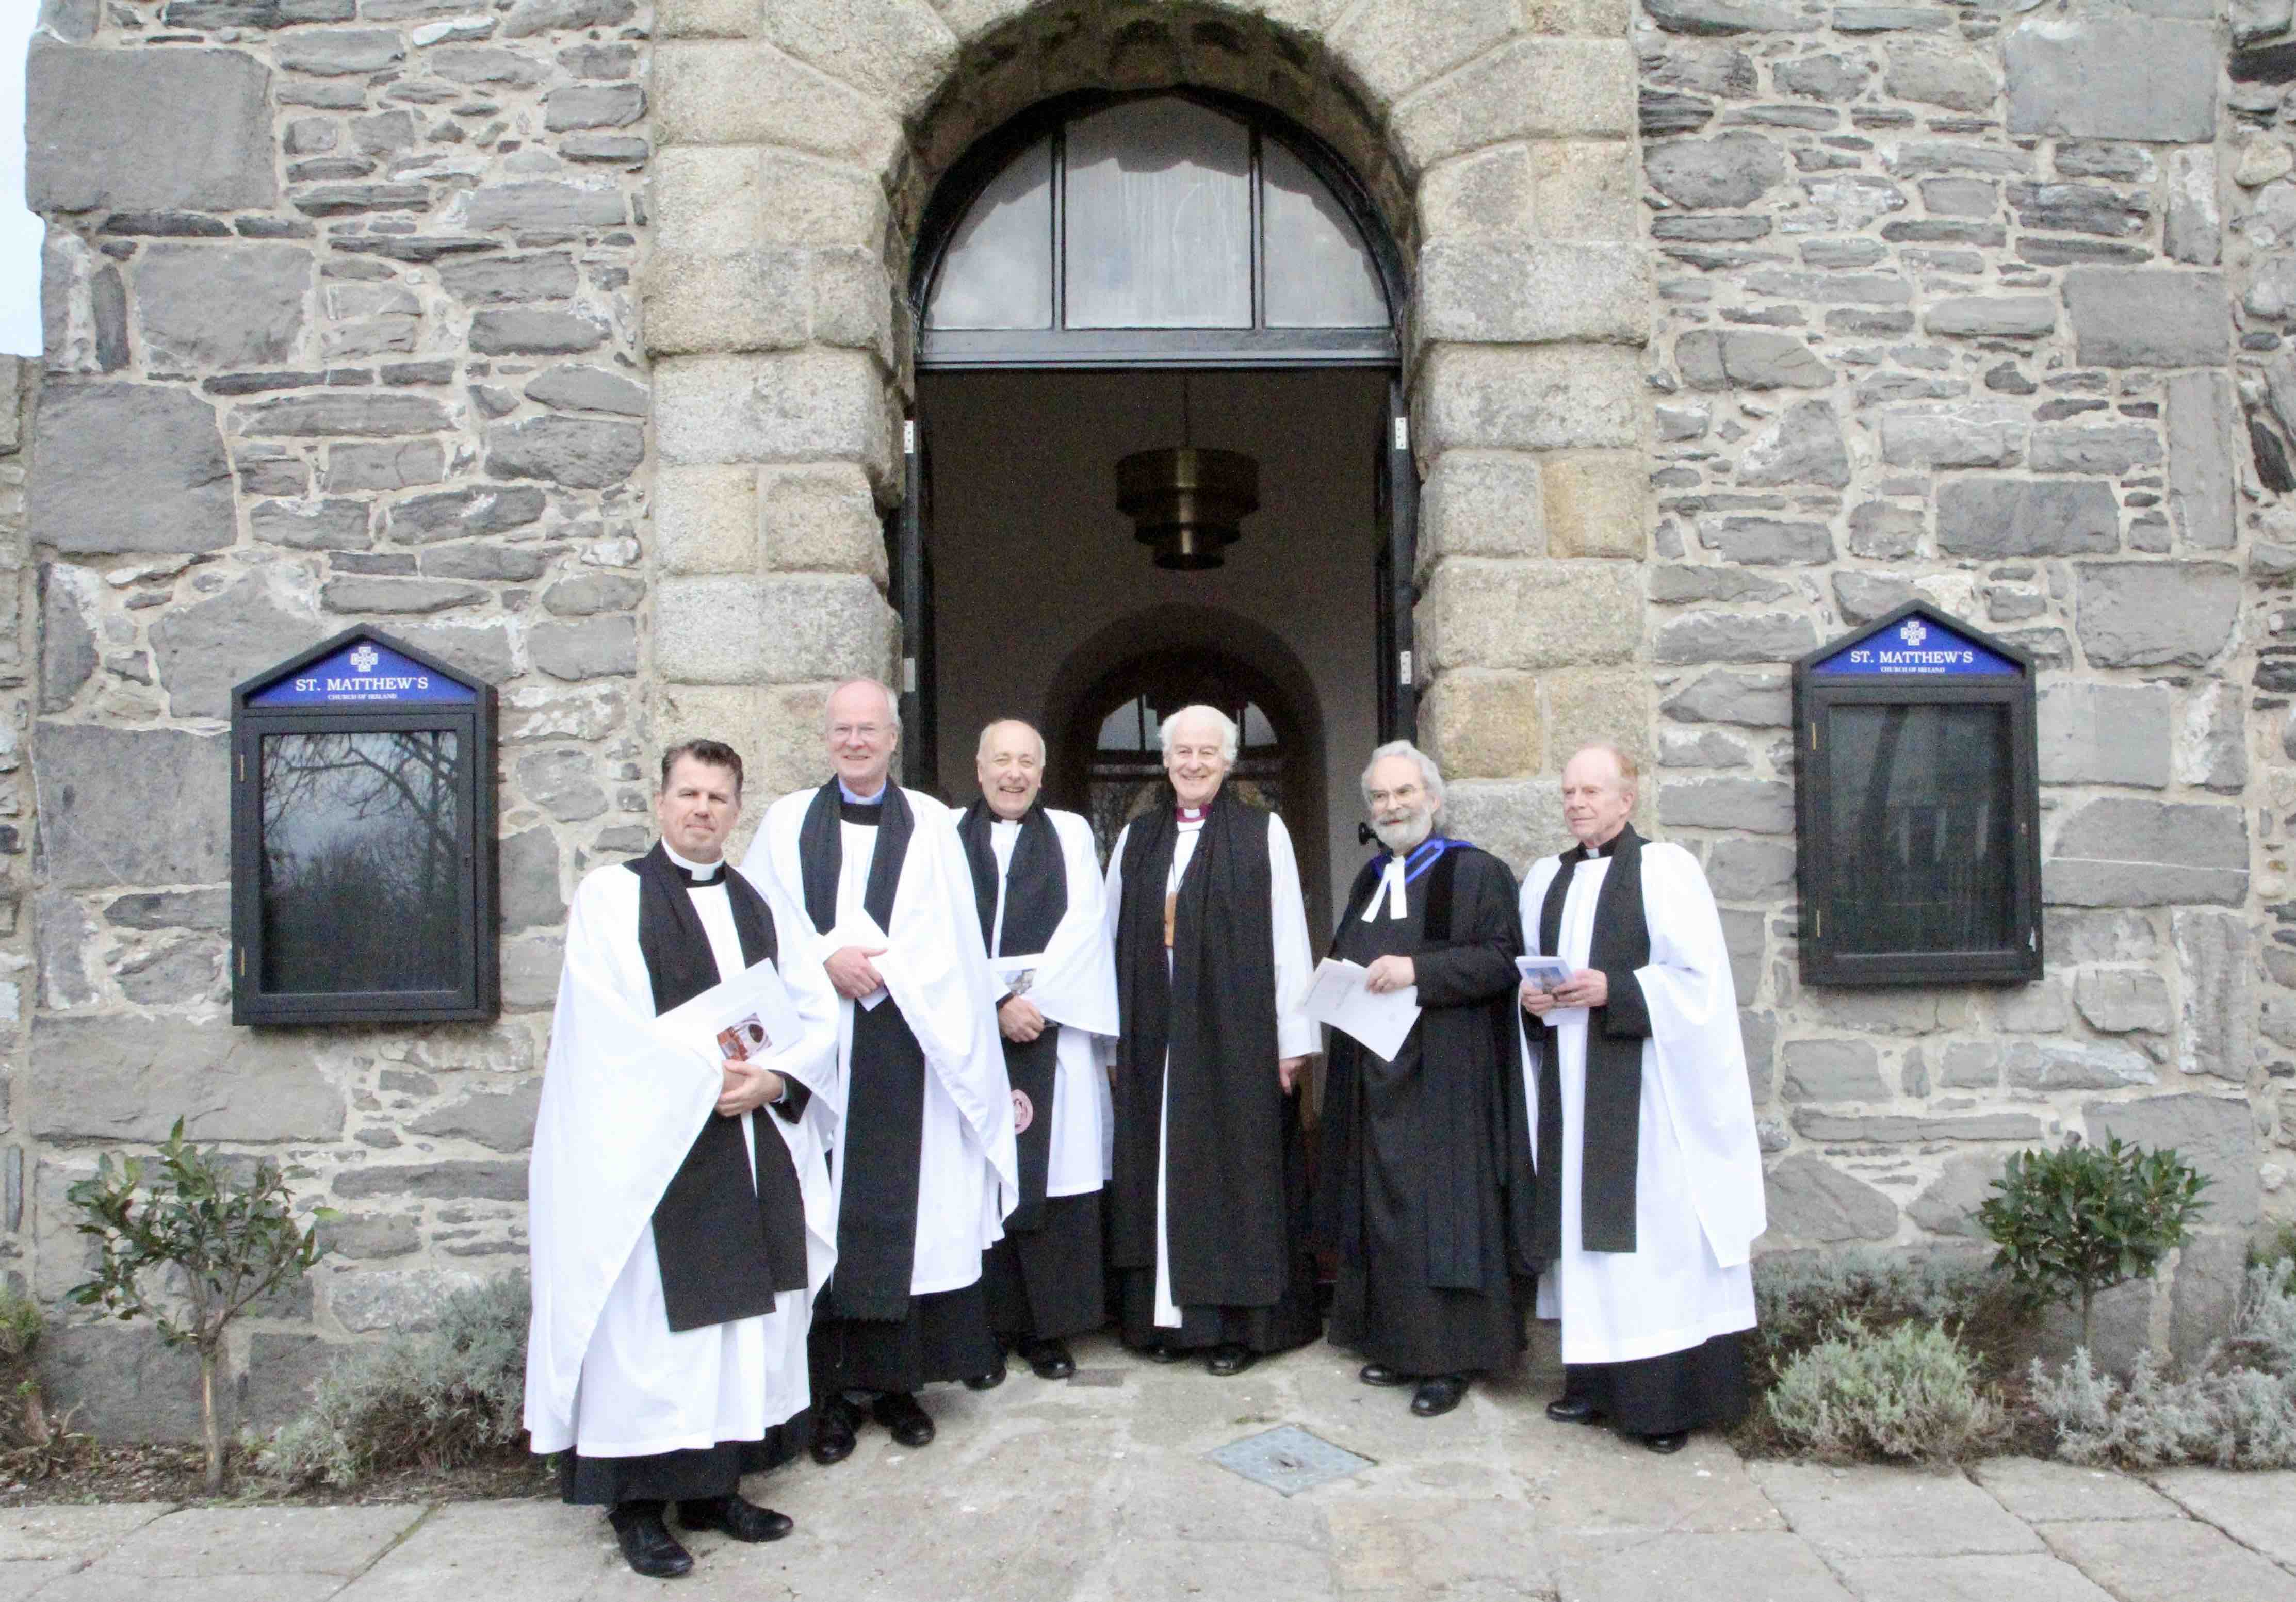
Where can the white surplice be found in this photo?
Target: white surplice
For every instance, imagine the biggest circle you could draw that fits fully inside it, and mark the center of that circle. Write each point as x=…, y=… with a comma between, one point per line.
x=936, y=971
x=1074, y=986
x=621, y=1107
x=1698, y=1173
x=1295, y=1032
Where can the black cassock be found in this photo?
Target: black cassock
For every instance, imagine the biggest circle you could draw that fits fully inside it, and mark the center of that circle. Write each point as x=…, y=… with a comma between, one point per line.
x=1425, y=1184
x=1236, y=1177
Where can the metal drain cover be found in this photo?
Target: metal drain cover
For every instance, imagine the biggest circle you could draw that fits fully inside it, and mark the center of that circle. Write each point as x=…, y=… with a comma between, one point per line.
x=1106, y=1379
x=1288, y=1459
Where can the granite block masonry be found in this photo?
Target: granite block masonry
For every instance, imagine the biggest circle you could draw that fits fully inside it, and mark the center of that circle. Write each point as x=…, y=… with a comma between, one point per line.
x=568, y=339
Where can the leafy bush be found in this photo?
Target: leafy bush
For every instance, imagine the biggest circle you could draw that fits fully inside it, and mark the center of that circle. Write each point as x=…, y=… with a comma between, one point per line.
x=431, y=1399
x=2236, y=1410
x=205, y=1239
x=33, y=1443
x=1801, y=1299
x=1907, y=1392
x=2080, y=1220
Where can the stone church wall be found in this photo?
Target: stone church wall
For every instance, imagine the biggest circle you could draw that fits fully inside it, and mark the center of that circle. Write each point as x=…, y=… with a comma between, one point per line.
x=563, y=338
x=1950, y=306
x=343, y=327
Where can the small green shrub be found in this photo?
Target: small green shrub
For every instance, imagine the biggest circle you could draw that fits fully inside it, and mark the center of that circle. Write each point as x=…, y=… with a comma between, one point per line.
x=431, y=1399
x=1908, y=1392
x=2236, y=1410
x=2279, y=1246
x=191, y=1248
x=33, y=1443
x=2076, y=1221
x=1802, y=1298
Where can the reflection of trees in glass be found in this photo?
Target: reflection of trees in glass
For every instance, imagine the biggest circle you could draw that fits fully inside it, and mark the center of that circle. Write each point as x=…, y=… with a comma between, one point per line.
x=1920, y=827
x=362, y=861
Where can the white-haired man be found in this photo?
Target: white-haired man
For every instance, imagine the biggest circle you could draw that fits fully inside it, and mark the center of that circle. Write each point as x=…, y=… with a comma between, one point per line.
x=1035, y=879
x=924, y=1163
x=1650, y=1173
x=1424, y=1187
x=1209, y=1189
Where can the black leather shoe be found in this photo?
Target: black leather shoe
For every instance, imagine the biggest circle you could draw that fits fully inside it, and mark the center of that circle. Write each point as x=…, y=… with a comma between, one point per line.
x=737, y=1516
x=1667, y=1444
x=1160, y=1353
x=835, y=1426
x=647, y=1545
x=990, y=1380
x=897, y=1412
x=1573, y=1409
x=1048, y=1359
x=1439, y=1393
x=1380, y=1374
x=1230, y=1360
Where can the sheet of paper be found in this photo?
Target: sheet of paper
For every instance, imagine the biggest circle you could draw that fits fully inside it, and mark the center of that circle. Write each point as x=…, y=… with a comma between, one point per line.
x=860, y=929
x=746, y=1018
x=1016, y=976
x=1545, y=972
x=1337, y=997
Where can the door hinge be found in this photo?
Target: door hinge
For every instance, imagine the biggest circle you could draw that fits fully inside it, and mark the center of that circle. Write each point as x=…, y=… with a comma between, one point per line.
x=1813, y=735
x=1403, y=668
x=908, y=675
x=1402, y=433
x=908, y=437
x=243, y=767
x=242, y=963
x=1817, y=922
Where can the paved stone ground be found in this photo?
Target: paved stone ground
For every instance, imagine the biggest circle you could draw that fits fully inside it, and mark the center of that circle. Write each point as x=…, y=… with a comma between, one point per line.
x=1101, y=1491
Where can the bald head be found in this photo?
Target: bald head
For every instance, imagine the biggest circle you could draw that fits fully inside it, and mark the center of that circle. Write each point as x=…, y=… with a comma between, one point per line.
x=862, y=729
x=1598, y=793
x=1010, y=766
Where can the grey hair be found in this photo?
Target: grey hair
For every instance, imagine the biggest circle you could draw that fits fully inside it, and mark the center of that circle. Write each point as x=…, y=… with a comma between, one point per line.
x=1228, y=730
x=1429, y=774
x=892, y=701
x=980, y=751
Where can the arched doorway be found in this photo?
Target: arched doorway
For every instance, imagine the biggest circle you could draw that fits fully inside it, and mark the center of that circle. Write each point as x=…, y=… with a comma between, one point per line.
x=1110, y=273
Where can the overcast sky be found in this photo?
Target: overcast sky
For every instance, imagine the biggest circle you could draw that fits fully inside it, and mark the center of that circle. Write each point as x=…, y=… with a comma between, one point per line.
x=20, y=230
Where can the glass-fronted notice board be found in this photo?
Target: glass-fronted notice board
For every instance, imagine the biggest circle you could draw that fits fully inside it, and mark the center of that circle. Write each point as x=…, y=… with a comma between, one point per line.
x=1917, y=789
x=363, y=839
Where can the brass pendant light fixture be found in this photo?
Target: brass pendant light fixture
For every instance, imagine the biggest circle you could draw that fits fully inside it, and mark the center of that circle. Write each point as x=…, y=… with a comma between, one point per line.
x=1186, y=501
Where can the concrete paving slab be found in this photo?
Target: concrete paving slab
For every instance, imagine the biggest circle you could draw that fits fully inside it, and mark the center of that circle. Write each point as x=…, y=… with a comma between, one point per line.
x=1880, y=1512
x=1433, y=1546
x=76, y=1531
x=92, y=1585
x=2040, y=1492
x=490, y=1551
x=20, y=1577
x=2157, y=1560
x=201, y=1541
x=1772, y=1565
x=1986, y=1577
x=2258, y=1511
x=1597, y=1480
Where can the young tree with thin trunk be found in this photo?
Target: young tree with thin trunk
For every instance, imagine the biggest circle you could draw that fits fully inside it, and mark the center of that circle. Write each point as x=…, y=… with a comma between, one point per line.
x=204, y=1240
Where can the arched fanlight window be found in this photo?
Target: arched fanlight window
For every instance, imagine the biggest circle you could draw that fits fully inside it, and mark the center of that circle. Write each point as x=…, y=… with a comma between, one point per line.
x=1154, y=229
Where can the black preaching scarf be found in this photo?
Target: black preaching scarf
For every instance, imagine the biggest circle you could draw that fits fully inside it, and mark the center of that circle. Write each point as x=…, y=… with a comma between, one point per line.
x=1036, y=899
x=885, y=1096
x=726, y=1243
x=1610, y=1140
x=1222, y=1110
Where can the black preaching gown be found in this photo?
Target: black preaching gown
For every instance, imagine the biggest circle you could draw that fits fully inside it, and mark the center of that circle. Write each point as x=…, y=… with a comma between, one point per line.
x=1422, y=1154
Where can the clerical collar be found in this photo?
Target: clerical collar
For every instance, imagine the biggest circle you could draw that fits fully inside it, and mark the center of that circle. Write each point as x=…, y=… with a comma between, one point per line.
x=698, y=876
x=1609, y=847
x=1189, y=814
x=868, y=814
x=852, y=798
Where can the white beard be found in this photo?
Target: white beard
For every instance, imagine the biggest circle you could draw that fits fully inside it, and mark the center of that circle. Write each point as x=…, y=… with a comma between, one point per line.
x=1406, y=836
